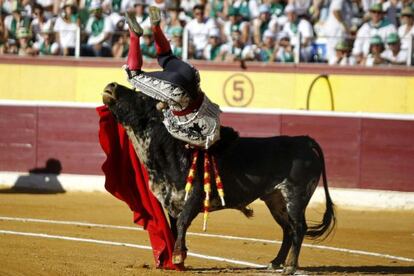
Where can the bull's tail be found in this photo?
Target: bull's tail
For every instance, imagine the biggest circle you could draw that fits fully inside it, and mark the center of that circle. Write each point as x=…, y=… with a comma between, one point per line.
x=323, y=229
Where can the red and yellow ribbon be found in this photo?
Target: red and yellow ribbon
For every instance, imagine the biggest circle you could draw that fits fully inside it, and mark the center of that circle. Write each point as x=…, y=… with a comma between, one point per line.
x=206, y=182
x=191, y=174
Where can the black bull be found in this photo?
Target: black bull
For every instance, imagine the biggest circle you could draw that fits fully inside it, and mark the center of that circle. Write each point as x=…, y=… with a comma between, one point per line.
x=282, y=171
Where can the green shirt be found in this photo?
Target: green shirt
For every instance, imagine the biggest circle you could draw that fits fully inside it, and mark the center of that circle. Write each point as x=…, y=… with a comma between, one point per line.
x=178, y=52
x=97, y=26
x=214, y=52
x=148, y=51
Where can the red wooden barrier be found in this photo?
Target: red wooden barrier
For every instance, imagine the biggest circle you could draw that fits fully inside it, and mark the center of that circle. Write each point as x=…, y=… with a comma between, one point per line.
x=359, y=152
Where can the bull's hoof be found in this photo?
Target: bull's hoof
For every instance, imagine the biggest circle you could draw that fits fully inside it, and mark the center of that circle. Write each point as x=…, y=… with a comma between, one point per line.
x=180, y=267
x=289, y=270
x=179, y=257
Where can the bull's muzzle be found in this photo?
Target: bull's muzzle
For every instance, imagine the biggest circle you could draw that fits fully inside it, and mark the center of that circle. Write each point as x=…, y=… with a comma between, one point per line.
x=109, y=94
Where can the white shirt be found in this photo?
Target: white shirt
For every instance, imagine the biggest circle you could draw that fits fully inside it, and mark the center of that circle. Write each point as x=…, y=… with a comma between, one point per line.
x=107, y=28
x=67, y=33
x=343, y=62
x=405, y=35
x=364, y=34
x=227, y=29
x=125, y=5
x=54, y=48
x=303, y=27
x=7, y=22
x=302, y=6
x=401, y=57
x=37, y=28
x=207, y=51
x=198, y=32
x=45, y=3
x=345, y=9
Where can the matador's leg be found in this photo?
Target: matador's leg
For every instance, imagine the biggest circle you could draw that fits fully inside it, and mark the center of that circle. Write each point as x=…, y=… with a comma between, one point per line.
x=134, y=60
x=162, y=45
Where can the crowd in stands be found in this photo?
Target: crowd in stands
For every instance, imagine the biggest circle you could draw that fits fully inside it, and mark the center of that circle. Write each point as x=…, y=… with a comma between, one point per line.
x=343, y=32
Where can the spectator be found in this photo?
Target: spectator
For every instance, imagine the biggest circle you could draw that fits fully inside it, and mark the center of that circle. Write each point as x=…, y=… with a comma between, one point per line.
x=188, y=7
x=99, y=29
x=27, y=8
x=177, y=42
x=295, y=26
x=263, y=23
x=214, y=49
x=277, y=8
x=376, y=26
x=39, y=23
x=319, y=12
x=391, y=9
x=65, y=27
x=337, y=25
x=215, y=9
x=120, y=45
x=406, y=30
x=173, y=20
x=366, y=6
x=198, y=30
x=3, y=40
x=47, y=45
x=140, y=14
x=376, y=47
x=236, y=49
x=15, y=20
x=48, y=7
x=342, y=54
x=302, y=7
x=248, y=9
x=394, y=54
x=117, y=6
x=236, y=23
x=267, y=51
x=24, y=43
x=284, y=50
x=6, y=6
x=148, y=45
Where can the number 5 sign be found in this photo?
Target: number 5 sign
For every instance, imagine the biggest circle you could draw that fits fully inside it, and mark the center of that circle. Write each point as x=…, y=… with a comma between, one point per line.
x=238, y=90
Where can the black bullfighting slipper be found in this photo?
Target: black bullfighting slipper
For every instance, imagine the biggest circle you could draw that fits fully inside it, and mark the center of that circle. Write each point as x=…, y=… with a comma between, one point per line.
x=133, y=24
x=155, y=15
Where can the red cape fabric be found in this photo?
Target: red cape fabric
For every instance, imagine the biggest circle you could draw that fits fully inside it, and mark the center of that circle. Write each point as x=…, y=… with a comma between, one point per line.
x=127, y=180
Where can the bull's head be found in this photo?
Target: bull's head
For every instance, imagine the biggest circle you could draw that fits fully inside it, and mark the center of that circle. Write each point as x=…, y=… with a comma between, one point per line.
x=130, y=107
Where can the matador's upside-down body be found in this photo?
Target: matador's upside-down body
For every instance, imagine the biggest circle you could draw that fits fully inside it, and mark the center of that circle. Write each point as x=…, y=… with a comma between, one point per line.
x=189, y=114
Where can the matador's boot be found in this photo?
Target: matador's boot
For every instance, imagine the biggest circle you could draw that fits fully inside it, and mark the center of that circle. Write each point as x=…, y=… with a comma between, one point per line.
x=155, y=16
x=133, y=24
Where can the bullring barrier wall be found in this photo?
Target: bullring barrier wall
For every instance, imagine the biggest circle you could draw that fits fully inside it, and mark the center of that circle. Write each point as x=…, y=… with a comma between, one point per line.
x=362, y=150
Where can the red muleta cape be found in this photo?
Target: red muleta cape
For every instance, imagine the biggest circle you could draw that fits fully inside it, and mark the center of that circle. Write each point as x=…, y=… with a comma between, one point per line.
x=127, y=179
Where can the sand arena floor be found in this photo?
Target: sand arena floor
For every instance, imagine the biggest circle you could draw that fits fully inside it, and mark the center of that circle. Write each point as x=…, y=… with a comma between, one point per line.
x=376, y=242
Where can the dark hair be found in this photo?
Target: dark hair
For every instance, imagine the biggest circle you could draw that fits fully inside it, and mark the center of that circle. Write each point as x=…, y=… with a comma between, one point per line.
x=39, y=7
x=198, y=7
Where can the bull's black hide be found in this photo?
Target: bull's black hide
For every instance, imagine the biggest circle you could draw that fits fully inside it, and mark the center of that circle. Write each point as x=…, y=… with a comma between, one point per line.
x=282, y=171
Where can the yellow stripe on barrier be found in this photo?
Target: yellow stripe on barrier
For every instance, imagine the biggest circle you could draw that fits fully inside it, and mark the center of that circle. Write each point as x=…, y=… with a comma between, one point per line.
x=348, y=93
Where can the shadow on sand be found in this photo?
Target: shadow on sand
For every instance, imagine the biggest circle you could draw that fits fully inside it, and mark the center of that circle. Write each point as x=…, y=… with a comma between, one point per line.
x=324, y=270
x=39, y=180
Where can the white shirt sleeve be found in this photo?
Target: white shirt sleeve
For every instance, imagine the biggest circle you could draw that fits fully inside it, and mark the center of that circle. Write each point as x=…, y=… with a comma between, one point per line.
x=336, y=5
x=55, y=48
x=108, y=27
x=361, y=36
x=305, y=28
